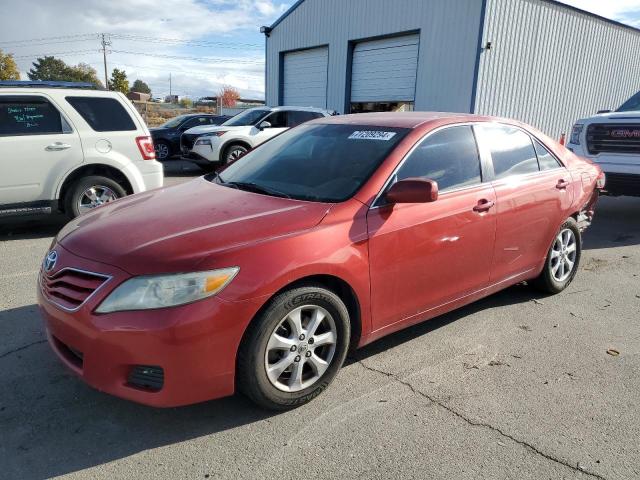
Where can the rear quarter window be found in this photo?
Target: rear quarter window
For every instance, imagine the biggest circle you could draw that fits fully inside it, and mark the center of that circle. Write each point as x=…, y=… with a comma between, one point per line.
x=103, y=114
x=29, y=116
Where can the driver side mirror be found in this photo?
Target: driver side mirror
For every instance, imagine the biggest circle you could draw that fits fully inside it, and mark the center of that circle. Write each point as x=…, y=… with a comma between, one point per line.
x=413, y=190
x=264, y=125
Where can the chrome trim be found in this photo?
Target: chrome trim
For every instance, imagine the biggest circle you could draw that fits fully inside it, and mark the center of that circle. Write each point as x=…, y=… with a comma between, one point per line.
x=86, y=272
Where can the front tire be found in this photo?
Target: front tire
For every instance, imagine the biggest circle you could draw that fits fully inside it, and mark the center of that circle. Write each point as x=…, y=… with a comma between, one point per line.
x=234, y=152
x=563, y=259
x=294, y=349
x=90, y=192
x=163, y=150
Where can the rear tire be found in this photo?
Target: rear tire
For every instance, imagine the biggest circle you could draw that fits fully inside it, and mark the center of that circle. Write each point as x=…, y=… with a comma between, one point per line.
x=563, y=259
x=163, y=150
x=282, y=366
x=87, y=193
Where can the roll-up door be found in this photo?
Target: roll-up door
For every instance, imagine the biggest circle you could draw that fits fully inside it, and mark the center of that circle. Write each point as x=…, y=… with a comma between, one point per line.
x=305, y=78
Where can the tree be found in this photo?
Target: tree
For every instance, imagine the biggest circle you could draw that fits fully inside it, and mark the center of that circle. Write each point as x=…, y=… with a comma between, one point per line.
x=141, y=87
x=118, y=81
x=185, y=103
x=8, y=67
x=228, y=96
x=51, y=68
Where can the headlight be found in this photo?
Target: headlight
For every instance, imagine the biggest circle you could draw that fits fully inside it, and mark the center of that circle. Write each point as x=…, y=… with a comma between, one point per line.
x=203, y=141
x=213, y=134
x=575, y=133
x=159, y=291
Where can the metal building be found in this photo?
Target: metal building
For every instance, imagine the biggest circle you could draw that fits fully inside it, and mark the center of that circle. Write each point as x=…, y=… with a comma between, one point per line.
x=539, y=61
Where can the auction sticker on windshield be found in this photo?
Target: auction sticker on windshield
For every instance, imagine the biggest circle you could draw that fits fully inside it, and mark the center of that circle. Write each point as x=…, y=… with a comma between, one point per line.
x=372, y=135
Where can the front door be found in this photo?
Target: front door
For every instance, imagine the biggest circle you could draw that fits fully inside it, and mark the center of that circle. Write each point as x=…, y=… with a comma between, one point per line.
x=424, y=256
x=37, y=147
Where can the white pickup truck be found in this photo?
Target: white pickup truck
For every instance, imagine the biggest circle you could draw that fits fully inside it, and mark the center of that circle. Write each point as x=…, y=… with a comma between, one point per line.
x=612, y=140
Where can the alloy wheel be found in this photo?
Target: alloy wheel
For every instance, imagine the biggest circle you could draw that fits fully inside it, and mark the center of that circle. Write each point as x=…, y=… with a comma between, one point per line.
x=301, y=348
x=162, y=151
x=563, y=255
x=235, y=154
x=95, y=196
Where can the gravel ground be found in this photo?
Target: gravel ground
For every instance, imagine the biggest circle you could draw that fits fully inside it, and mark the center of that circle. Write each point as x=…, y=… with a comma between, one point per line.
x=515, y=386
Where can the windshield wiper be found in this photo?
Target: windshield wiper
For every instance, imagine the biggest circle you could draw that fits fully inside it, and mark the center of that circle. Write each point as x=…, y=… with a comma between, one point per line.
x=254, y=187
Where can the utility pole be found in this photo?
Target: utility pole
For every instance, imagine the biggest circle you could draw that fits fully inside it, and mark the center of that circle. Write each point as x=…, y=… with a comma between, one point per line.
x=170, y=86
x=105, y=43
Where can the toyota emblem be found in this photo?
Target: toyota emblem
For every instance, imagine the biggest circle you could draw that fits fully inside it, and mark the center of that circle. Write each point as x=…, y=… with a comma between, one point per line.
x=50, y=261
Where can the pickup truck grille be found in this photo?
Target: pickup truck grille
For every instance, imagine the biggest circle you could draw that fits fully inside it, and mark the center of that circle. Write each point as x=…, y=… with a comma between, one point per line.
x=613, y=138
x=70, y=288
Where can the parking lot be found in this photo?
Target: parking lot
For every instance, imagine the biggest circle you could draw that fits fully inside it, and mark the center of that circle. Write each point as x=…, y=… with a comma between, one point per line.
x=515, y=386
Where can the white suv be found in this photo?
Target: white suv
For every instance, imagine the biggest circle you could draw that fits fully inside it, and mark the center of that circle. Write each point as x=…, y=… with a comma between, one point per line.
x=67, y=147
x=612, y=140
x=213, y=146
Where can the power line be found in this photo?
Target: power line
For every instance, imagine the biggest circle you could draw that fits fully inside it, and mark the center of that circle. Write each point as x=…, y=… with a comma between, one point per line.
x=42, y=39
x=179, y=57
x=58, y=54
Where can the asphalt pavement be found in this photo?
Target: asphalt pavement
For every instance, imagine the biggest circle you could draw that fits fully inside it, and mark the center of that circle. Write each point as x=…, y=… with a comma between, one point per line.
x=516, y=386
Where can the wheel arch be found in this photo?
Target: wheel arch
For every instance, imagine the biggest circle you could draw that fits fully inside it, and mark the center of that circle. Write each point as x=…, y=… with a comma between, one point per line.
x=93, y=169
x=233, y=141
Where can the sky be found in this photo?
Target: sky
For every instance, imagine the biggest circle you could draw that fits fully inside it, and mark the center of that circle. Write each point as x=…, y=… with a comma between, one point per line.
x=203, y=44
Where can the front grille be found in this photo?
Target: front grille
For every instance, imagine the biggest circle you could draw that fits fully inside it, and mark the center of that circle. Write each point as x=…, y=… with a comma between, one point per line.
x=70, y=288
x=613, y=138
x=622, y=184
x=146, y=377
x=187, y=140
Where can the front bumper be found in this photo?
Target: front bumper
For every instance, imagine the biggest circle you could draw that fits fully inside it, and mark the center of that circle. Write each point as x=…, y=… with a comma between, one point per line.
x=195, y=345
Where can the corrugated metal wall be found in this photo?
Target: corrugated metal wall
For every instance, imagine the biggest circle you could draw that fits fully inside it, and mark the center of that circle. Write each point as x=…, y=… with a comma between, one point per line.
x=448, y=29
x=550, y=65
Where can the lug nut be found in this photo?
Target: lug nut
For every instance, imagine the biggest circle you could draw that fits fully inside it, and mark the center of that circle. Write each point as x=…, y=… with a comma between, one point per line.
x=311, y=341
x=297, y=359
x=301, y=337
x=308, y=354
x=293, y=348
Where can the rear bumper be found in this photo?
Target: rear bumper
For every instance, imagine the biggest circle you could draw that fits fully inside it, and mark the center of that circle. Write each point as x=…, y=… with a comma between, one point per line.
x=145, y=175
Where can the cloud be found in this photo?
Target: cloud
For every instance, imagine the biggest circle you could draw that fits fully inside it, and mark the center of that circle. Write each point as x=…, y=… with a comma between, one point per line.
x=626, y=11
x=231, y=52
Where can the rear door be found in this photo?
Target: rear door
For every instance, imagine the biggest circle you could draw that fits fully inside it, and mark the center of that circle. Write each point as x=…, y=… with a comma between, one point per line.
x=426, y=255
x=533, y=198
x=37, y=146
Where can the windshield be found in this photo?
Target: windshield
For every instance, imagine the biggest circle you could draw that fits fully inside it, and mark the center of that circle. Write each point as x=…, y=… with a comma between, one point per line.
x=174, y=122
x=631, y=105
x=324, y=163
x=250, y=117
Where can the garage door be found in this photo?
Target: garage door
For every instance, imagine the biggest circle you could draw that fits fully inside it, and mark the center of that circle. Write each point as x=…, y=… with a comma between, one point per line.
x=385, y=70
x=305, y=78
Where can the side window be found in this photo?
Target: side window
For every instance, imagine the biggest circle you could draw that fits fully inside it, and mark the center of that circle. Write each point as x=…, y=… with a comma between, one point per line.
x=277, y=119
x=29, y=116
x=511, y=150
x=546, y=160
x=297, y=117
x=450, y=157
x=192, y=122
x=103, y=114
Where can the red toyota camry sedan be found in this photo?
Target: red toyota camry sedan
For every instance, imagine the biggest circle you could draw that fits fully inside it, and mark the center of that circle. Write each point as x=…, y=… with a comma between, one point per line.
x=329, y=236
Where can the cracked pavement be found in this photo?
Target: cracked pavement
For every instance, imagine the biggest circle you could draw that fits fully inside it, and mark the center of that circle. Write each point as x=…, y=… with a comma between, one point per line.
x=516, y=386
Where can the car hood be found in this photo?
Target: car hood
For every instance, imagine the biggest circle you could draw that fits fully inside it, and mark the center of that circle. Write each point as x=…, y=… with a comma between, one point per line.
x=173, y=229
x=211, y=128
x=614, y=116
x=159, y=130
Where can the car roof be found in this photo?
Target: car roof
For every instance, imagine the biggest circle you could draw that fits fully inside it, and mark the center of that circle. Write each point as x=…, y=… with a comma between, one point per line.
x=401, y=119
x=300, y=109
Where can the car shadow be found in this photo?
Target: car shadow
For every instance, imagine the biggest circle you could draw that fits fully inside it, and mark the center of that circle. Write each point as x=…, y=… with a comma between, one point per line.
x=616, y=223
x=31, y=227
x=53, y=424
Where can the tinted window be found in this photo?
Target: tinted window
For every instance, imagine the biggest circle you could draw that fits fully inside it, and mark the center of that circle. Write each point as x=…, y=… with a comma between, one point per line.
x=450, y=157
x=326, y=163
x=28, y=116
x=546, y=160
x=102, y=114
x=195, y=122
x=249, y=117
x=174, y=122
x=296, y=117
x=511, y=150
x=277, y=120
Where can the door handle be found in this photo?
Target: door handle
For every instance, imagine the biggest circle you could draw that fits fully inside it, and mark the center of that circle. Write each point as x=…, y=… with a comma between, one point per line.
x=562, y=184
x=57, y=146
x=484, y=205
